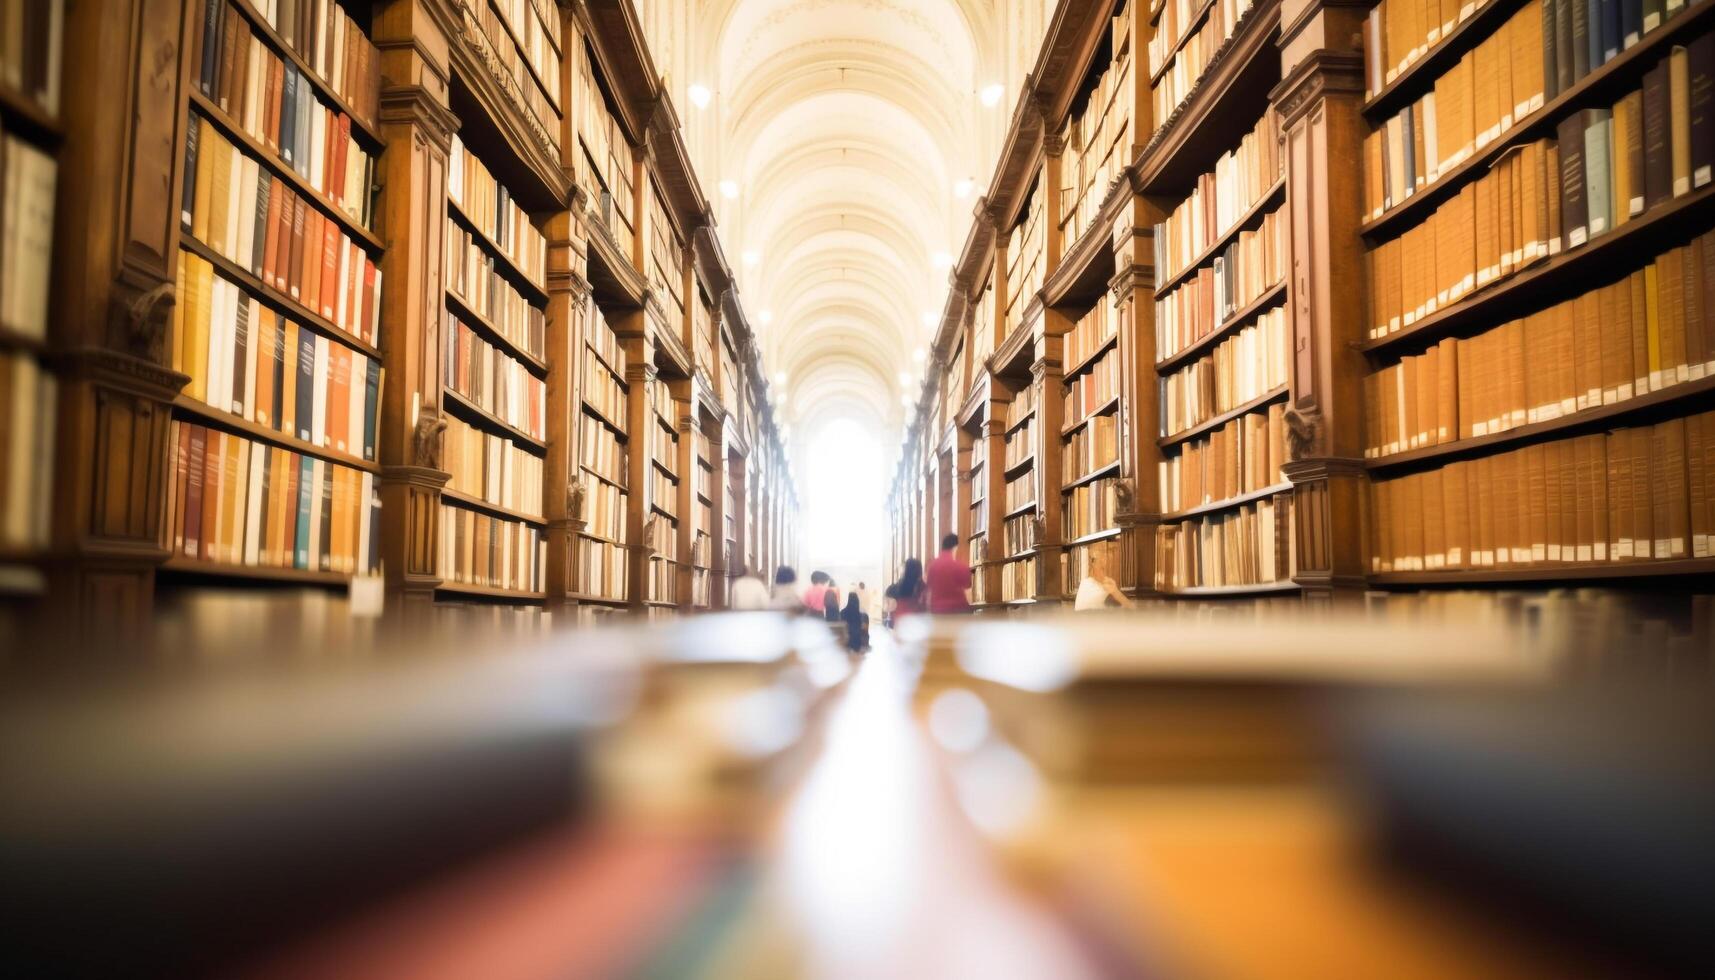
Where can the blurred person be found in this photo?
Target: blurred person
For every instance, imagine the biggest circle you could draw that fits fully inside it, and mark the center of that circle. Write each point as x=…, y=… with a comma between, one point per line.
x=866, y=600
x=906, y=595
x=785, y=597
x=748, y=592
x=949, y=577
x=1098, y=588
x=857, y=624
x=831, y=602
x=816, y=595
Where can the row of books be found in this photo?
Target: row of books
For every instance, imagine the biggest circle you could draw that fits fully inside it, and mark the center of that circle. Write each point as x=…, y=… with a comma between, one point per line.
x=535, y=27
x=30, y=50
x=979, y=454
x=1091, y=448
x=1092, y=330
x=663, y=492
x=603, y=167
x=604, y=510
x=1242, y=456
x=1245, y=366
x=1093, y=389
x=475, y=277
x=602, y=569
x=1634, y=494
x=496, y=383
x=600, y=451
x=1018, y=534
x=1021, y=442
x=1185, y=67
x=1090, y=508
x=330, y=42
x=661, y=534
x=484, y=21
x=1644, y=332
x=1077, y=560
x=1026, y=260
x=491, y=209
x=1222, y=197
x=979, y=514
x=252, y=360
x=1251, y=545
x=28, y=409
x=492, y=468
x=490, y=552
x=1173, y=21
x=275, y=104
x=27, y=181
x=666, y=412
x=602, y=393
x=236, y=207
x=1496, y=83
x=977, y=551
x=1239, y=276
x=1018, y=580
x=602, y=339
x=666, y=252
x=1022, y=406
x=1020, y=490
x=234, y=501
x=1399, y=32
x=982, y=322
x=1097, y=146
x=662, y=582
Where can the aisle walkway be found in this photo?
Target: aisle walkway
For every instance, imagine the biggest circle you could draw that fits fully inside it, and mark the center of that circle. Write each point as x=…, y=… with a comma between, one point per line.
x=882, y=872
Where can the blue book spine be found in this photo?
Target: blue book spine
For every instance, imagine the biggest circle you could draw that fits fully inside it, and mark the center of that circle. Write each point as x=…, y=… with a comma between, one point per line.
x=1610, y=30
x=306, y=486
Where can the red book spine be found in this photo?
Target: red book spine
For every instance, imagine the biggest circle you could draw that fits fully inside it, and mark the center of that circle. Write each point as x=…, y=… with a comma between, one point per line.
x=368, y=300
x=331, y=238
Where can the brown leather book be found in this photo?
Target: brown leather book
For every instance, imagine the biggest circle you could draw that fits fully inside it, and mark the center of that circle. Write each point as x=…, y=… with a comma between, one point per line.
x=293, y=272
x=1657, y=134
x=329, y=279
x=1536, y=472
x=310, y=285
x=339, y=396
x=1670, y=269
x=1637, y=447
x=1638, y=317
x=1667, y=448
x=228, y=56
x=1692, y=313
x=1574, y=219
x=1699, y=481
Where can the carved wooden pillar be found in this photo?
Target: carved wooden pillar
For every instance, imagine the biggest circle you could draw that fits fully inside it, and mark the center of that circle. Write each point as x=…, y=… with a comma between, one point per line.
x=1047, y=375
x=564, y=486
x=714, y=426
x=640, y=375
x=114, y=263
x=1053, y=242
x=1319, y=100
x=685, y=501
x=418, y=125
x=735, y=469
x=1132, y=291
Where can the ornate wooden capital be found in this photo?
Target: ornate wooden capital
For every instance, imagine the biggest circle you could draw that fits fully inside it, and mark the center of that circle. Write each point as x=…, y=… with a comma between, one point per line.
x=1322, y=72
x=421, y=109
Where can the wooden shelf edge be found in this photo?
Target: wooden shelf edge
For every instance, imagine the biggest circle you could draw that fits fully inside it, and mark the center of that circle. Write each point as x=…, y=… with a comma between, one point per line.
x=282, y=170
x=450, y=396
x=1191, y=26
x=1097, y=412
x=1276, y=194
x=1240, y=319
x=469, y=502
x=14, y=339
x=1106, y=469
x=260, y=25
x=490, y=592
x=27, y=118
x=1209, y=591
x=1092, y=537
x=1078, y=367
x=513, y=272
x=209, y=415
x=1590, y=417
x=1020, y=509
x=1013, y=469
x=1266, y=398
x=601, y=417
x=277, y=300
x=254, y=573
x=1228, y=503
x=468, y=314
x=596, y=537
x=1564, y=572
x=610, y=482
x=1433, y=62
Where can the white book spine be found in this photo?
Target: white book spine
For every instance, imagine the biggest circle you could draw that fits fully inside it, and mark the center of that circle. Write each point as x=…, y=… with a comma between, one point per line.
x=318, y=408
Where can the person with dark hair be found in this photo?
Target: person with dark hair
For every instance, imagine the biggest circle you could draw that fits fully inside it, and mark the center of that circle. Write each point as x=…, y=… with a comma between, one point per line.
x=785, y=595
x=815, y=597
x=907, y=593
x=948, y=579
x=831, y=602
x=857, y=625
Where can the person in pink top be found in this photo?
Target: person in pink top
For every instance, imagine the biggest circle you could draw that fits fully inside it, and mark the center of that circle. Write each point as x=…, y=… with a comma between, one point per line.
x=948, y=577
x=816, y=596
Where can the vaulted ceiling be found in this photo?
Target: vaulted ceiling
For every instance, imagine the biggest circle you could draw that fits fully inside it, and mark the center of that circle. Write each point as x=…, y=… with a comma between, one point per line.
x=844, y=143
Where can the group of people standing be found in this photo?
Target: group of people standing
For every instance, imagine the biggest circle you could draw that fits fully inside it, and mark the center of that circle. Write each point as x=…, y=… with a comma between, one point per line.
x=822, y=599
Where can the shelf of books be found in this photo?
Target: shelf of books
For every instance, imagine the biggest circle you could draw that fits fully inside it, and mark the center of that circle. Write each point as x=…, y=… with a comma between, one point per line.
x=1097, y=139
x=662, y=523
x=1020, y=520
x=524, y=35
x=494, y=393
x=1221, y=338
x=279, y=289
x=604, y=158
x=30, y=138
x=604, y=460
x=977, y=542
x=1089, y=441
x=702, y=519
x=1542, y=274
x=1026, y=260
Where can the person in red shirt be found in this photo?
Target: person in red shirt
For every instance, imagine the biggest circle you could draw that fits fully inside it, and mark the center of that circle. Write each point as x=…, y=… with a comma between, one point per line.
x=948, y=579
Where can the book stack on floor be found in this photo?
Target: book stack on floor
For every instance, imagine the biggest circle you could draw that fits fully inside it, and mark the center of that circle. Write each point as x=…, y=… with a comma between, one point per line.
x=30, y=137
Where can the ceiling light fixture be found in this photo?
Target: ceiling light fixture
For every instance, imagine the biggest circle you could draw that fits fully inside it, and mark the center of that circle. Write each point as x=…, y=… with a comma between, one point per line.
x=930, y=319
x=780, y=379
x=750, y=257
x=700, y=96
x=921, y=355
x=991, y=94
x=729, y=190
x=943, y=260
x=962, y=188
x=765, y=317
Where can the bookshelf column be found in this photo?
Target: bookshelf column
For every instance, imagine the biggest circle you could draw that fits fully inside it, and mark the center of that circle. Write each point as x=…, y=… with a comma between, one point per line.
x=111, y=300
x=1319, y=101
x=639, y=377
x=1132, y=291
x=418, y=127
x=1048, y=377
x=565, y=487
